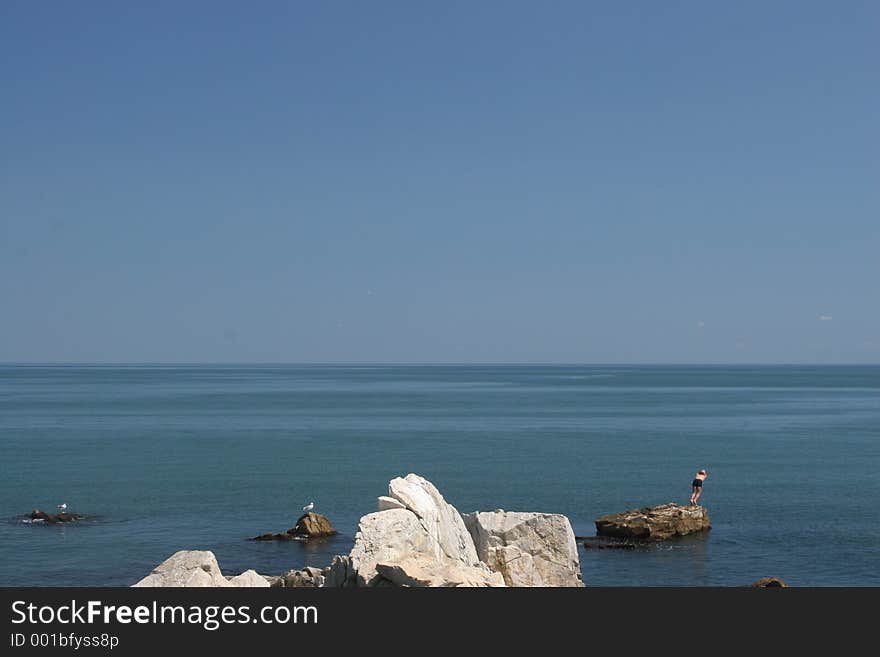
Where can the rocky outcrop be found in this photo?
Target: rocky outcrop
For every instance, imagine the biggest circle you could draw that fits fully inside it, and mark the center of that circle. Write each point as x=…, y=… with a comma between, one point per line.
x=527, y=549
x=414, y=521
x=444, y=524
x=197, y=568
x=424, y=571
x=654, y=523
x=309, y=525
x=769, y=583
x=312, y=525
x=64, y=516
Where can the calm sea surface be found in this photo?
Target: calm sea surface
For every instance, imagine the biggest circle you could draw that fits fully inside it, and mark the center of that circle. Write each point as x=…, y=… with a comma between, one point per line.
x=203, y=457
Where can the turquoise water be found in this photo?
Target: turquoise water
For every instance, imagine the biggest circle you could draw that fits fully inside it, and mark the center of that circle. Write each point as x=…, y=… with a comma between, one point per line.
x=203, y=457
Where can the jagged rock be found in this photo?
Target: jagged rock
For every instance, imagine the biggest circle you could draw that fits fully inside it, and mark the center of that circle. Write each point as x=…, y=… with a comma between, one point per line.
x=527, y=549
x=654, y=523
x=250, y=579
x=440, y=519
x=384, y=503
x=312, y=525
x=423, y=571
x=308, y=577
x=186, y=568
x=769, y=583
x=386, y=536
x=340, y=573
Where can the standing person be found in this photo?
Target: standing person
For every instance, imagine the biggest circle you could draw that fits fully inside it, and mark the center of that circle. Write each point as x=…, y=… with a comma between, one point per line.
x=697, y=486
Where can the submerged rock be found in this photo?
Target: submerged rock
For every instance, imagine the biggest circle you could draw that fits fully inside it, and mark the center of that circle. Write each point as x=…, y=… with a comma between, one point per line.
x=654, y=523
x=527, y=549
x=64, y=516
x=769, y=583
x=609, y=543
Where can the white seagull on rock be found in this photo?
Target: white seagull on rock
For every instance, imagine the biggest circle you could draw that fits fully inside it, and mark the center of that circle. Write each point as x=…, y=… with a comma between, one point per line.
x=308, y=507
x=62, y=508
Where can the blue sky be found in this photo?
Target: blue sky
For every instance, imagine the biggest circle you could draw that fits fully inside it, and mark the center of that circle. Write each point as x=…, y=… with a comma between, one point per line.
x=439, y=182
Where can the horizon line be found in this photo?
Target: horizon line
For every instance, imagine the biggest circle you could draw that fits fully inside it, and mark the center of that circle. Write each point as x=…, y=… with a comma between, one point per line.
x=428, y=364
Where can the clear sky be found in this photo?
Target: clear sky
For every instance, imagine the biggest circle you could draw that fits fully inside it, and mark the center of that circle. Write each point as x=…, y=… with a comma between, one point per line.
x=588, y=182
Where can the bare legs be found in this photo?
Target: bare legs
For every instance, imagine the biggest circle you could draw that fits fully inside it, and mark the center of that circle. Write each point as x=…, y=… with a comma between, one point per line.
x=695, y=496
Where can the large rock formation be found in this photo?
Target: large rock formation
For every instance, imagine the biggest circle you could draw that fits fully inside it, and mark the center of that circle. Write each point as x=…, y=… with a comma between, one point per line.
x=654, y=523
x=527, y=549
x=450, y=538
x=418, y=531
x=197, y=568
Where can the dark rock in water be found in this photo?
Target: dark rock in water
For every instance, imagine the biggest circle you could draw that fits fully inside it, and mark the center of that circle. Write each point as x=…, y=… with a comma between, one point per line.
x=654, y=523
x=276, y=537
x=609, y=543
x=769, y=583
x=309, y=525
x=64, y=516
x=312, y=525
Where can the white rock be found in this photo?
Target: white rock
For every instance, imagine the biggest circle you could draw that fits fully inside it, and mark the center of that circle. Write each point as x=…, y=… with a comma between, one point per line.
x=441, y=520
x=386, y=536
x=186, y=568
x=385, y=503
x=422, y=571
x=528, y=549
x=250, y=579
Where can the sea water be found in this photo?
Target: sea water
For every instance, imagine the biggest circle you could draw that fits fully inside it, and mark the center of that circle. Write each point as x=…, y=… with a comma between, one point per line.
x=164, y=458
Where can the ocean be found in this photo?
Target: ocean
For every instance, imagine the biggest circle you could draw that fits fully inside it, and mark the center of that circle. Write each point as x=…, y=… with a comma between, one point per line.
x=164, y=458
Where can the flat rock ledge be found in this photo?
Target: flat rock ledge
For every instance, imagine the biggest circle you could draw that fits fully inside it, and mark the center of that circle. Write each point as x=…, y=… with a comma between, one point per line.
x=656, y=523
x=309, y=525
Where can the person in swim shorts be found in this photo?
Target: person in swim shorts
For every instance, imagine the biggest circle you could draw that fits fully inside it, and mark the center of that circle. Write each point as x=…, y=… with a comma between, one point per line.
x=697, y=486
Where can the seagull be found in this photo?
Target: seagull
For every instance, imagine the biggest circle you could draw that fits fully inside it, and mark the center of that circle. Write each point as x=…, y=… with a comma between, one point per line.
x=308, y=507
x=62, y=508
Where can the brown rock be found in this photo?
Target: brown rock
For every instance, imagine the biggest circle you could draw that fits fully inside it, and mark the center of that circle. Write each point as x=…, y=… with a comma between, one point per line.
x=654, y=523
x=769, y=583
x=36, y=514
x=312, y=525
